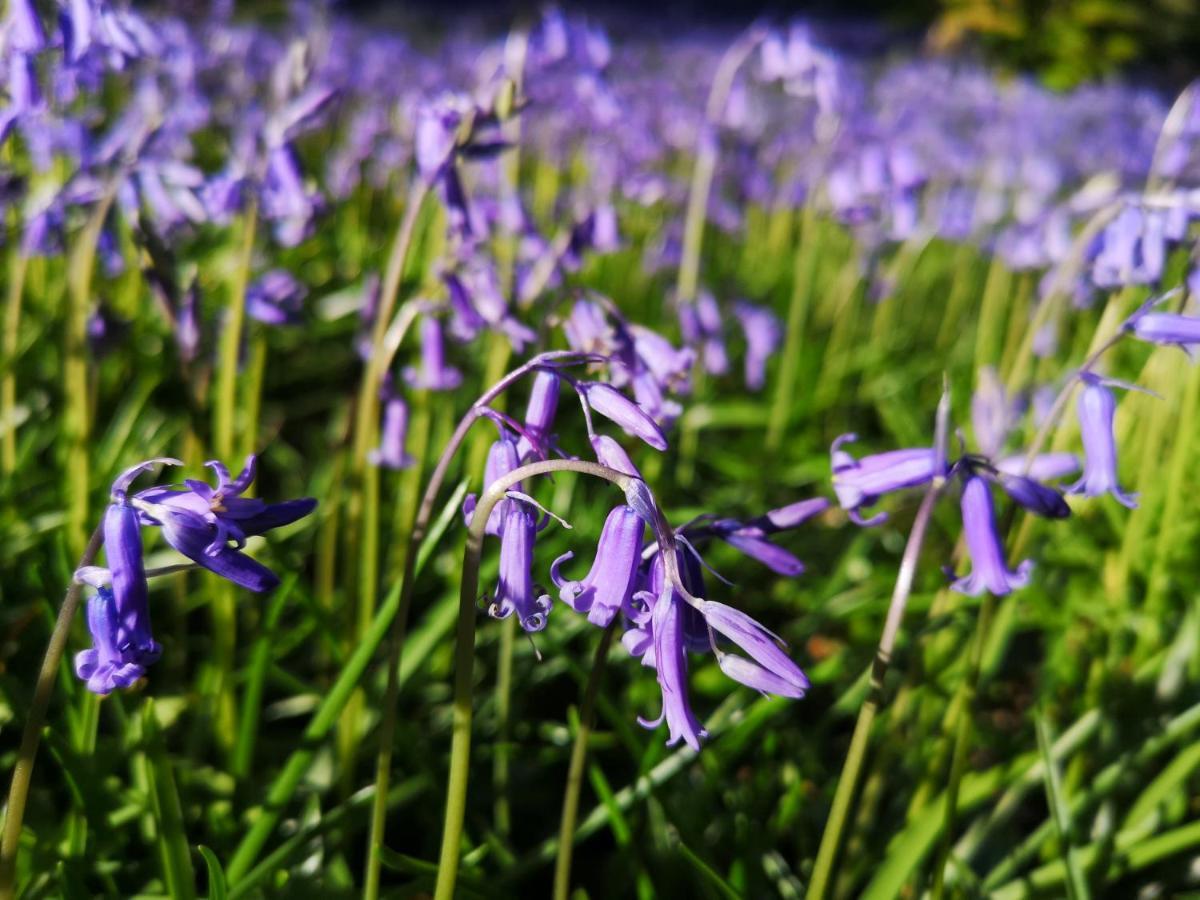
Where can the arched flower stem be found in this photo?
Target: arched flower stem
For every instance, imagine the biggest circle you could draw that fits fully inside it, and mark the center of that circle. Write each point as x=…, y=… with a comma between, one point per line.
x=416, y=534
x=706, y=160
x=18, y=791
x=460, y=747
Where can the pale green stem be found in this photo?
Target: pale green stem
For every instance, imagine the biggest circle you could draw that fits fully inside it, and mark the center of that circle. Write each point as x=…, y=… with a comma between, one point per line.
x=362, y=527
x=807, y=257
x=501, y=751
x=256, y=370
x=224, y=610
x=19, y=264
x=407, y=584
x=831, y=837
x=706, y=162
x=367, y=417
x=464, y=657
x=387, y=728
x=18, y=791
x=231, y=341
x=570, y=806
x=77, y=418
x=964, y=701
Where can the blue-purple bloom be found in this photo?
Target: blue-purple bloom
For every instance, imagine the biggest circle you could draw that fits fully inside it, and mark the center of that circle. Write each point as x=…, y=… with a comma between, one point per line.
x=434, y=373
x=1044, y=466
x=989, y=571
x=276, y=298
x=763, y=334
x=515, y=590
x=612, y=580
x=200, y=521
x=1097, y=407
x=700, y=323
x=539, y=416
x=612, y=404
x=1034, y=496
x=119, y=613
x=391, y=451
x=1165, y=328
x=670, y=624
x=105, y=667
x=859, y=483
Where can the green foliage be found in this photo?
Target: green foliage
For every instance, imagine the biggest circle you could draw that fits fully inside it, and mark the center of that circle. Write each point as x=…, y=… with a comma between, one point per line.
x=1102, y=645
x=1068, y=42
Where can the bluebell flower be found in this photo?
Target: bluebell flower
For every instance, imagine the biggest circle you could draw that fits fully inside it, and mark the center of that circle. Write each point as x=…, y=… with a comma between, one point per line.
x=763, y=333
x=22, y=29
x=434, y=373
x=391, y=451
x=700, y=323
x=1043, y=467
x=287, y=201
x=104, y=666
x=769, y=669
x=1034, y=496
x=515, y=590
x=1172, y=329
x=610, y=453
x=1097, y=406
x=539, y=417
x=670, y=667
x=123, y=549
x=612, y=580
x=860, y=483
x=503, y=457
x=201, y=521
x=613, y=405
x=989, y=571
x=119, y=613
x=275, y=298
x=1168, y=328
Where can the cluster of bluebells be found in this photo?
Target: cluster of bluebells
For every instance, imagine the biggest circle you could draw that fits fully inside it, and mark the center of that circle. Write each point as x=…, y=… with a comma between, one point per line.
x=207, y=524
x=1026, y=479
x=898, y=151
x=326, y=109
x=654, y=586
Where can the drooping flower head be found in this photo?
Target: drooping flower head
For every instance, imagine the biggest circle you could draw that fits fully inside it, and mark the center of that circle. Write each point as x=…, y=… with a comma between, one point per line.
x=989, y=571
x=434, y=373
x=612, y=581
x=860, y=483
x=391, y=452
x=200, y=521
x=104, y=667
x=763, y=335
x=1097, y=408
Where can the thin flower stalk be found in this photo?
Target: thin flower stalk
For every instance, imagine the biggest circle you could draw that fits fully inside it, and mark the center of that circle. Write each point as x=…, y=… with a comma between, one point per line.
x=18, y=792
x=18, y=265
x=570, y=807
x=835, y=825
x=399, y=628
x=224, y=610
x=464, y=658
x=706, y=161
x=807, y=258
x=76, y=417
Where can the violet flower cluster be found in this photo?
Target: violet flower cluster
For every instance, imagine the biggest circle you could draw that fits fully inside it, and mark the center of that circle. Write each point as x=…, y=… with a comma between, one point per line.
x=655, y=588
x=207, y=524
x=1023, y=478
